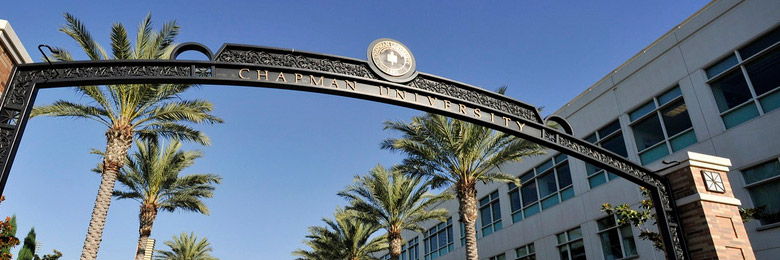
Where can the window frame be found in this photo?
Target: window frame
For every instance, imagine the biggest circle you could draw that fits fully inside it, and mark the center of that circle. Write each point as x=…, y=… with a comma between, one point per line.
x=608, y=176
x=620, y=237
x=657, y=111
x=769, y=180
x=495, y=224
x=569, y=241
x=447, y=228
x=741, y=66
x=539, y=171
x=530, y=248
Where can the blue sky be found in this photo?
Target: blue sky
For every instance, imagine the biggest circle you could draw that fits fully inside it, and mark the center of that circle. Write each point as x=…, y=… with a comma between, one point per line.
x=285, y=154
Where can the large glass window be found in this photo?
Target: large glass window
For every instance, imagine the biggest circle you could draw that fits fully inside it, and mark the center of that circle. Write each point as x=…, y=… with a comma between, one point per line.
x=746, y=83
x=410, y=250
x=616, y=241
x=498, y=257
x=490, y=213
x=662, y=126
x=544, y=186
x=438, y=240
x=526, y=252
x=570, y=245
x=763, y=183
x=611, y=138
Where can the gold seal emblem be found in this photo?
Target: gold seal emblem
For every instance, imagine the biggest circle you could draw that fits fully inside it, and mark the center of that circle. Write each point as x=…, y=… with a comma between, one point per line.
x=392, y=58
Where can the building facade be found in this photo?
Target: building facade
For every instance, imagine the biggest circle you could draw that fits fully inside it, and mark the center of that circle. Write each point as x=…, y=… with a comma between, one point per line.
x=710, y=86
x=12, y=52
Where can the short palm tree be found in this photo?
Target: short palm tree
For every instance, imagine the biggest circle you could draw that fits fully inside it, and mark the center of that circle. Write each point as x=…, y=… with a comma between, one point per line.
x=186, y=247
x=128, y=110
x=152, y=177
x=345, y=238
x=456, y=153
x=394, y=201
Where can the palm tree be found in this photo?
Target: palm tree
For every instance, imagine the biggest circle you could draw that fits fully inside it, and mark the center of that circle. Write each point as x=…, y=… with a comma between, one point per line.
x=346, y=238
x=186, y=247
x=128, y=110
x=395, y=202
x=151, y=177
x=456, y=153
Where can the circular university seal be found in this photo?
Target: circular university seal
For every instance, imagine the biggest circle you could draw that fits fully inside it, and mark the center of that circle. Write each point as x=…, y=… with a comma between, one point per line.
x=391, y=60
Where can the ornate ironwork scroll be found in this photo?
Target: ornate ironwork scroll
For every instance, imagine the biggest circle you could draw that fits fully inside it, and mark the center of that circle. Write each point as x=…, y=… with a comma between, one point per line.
x=303, y=71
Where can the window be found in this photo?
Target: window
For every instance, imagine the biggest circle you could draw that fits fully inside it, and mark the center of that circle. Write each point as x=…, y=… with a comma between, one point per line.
x=616, y=241
x=490, y=213
x=763, y=183
x=385, y=257
x=526, y=252
x=745, y=84
x=498, y=257
x=410, y=251
x=611, y=138
x=438, y=240
x=570, y=245
x=662, y=126
x=542, y=187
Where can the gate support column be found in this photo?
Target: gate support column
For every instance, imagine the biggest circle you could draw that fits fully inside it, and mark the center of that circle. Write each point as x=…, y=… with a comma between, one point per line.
x=707, y=208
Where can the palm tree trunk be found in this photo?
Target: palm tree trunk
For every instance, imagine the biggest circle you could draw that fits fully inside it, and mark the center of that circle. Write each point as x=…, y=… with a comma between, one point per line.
x=146, y=220
x=118, y=141
x=467, y=200
x=395, y=240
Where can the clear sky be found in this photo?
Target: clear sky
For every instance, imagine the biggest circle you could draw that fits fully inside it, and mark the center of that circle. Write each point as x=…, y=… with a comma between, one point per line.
x=285, y=154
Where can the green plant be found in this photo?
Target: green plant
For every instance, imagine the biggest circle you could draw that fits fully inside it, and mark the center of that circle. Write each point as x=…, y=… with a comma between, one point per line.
x=345, y=238
x=394, y=201
x=127, y=111
x=626, y=215
x=28, y=248
x=186, y=247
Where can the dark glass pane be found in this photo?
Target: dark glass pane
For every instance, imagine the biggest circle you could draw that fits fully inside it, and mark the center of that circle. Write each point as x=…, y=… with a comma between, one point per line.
x=762, y=172
x=722, y=66
x=564, y=252
x=669, y=96
x=578, y=251
x=641, y=111
x=564, y=175
x=610, y=244
x=765, y=197
x=616, y=145
x=484, y=214
x=648, y=132
x=484, y=201
x=547, y=185
x=730, y=90
x=560, y=158
x=496, y=211
x=527, y=176
x=511, y=186
x=591, y=169
x=611, y=128
x=449, y=235
x=760, y=44
x=676, y=118
x=542, y=167
x=514, y=200
x=494, y=195
x=606, y=223
x=529, y=193
x=765, y=72
x=591, y=138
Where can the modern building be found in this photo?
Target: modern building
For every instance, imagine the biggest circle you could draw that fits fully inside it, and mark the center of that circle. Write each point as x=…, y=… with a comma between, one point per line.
x=709, y=86
x=12, y=52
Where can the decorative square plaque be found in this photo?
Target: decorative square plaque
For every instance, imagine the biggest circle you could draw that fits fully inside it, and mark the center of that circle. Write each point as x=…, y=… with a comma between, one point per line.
x=713, y=182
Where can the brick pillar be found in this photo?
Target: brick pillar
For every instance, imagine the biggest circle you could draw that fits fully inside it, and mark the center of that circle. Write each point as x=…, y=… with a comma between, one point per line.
x=708, y=211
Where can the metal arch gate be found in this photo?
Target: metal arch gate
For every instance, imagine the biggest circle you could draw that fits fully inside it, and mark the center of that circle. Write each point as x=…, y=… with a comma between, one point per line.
x=304, y=71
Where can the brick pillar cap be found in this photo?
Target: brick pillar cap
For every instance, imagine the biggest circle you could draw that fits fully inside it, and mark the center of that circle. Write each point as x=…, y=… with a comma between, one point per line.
x=11, y=42
x=698, y=160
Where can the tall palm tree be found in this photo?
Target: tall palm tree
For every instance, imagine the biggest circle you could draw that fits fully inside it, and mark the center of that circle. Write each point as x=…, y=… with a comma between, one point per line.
x=186, y=247
x=151, y=177
x=345, y=238
x=395, y=202
x=456, y=153
x=128, y=110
